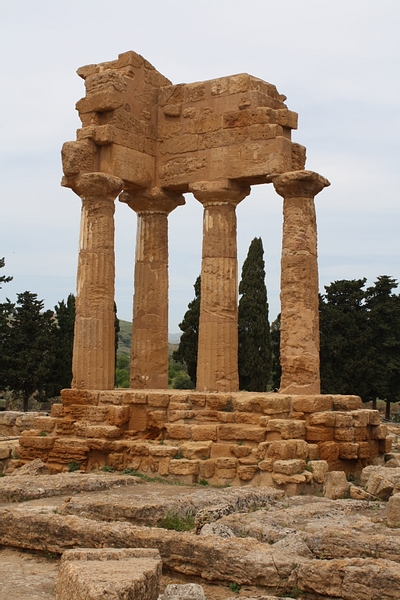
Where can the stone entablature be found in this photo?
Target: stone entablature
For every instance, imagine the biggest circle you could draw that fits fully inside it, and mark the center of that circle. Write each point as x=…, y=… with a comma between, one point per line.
x=266, y=439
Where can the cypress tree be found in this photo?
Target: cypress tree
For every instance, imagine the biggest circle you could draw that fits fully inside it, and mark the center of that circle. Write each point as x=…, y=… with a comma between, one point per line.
x=276, y=353
x=255, y=357
x=187, y=349
x=64, y=340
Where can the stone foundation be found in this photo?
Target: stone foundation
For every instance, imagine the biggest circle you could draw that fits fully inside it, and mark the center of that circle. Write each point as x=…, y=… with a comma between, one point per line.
x=278, y=440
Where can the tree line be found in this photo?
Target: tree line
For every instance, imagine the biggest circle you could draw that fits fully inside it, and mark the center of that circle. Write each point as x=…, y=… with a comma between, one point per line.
x=35, y=346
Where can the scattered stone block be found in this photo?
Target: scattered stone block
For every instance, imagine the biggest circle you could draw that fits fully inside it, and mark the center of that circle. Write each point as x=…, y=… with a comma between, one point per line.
x=109, y=573
x=335, y=485
x=188, y=591
x=393, y=511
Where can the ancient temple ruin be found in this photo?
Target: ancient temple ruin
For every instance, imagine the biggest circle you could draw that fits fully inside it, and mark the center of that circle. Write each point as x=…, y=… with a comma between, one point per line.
x=147, y=142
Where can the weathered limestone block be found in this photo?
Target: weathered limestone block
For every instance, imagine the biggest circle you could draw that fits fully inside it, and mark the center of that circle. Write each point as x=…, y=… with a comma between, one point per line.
x=344, y=434
x=134, y=398
x=218, y=342
x=380, y=486
x=88, y=413
x=247, y=472
x=343, y=419
x=346, y=403
x=283, y=450
x=379, y=432
x=204, y=432
x=184, y=466
x=327, y=419
x=312, y=403
x=299, y=282
x=207, y=468
x=290, y=466
x=180, y=415
x=328, y=451
x=36, y=441
x=393, y=511
x=113, y=573
x=270, y=404
x=288, y=429
x=176, y=431
x=319, y=468
x=228, y=432
x=97, y=431
x=46, y=424
x=157, y=400
x=335, y=485
x=199, y=450
x=348, y=450
x=241, y=451
x=118, y=415
x=74, y=396
x=319, y=434
x=189, y=591
x=219, y=402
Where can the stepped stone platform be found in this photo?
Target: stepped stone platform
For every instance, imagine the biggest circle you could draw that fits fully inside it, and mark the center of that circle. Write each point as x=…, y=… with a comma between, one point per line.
x=267, y=439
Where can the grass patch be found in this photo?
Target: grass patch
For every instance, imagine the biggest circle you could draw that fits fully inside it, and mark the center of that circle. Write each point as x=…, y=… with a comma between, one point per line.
x=235, y=587
x=73, y=466
x=173, y=521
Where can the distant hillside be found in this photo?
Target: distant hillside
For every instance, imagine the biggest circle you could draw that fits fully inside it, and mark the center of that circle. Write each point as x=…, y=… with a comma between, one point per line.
x=125, y=339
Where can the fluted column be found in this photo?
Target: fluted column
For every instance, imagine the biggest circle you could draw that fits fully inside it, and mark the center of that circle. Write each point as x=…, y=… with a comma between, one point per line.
x=217, y=360
x=299, y=347
x=93, y=364
x=149, y=352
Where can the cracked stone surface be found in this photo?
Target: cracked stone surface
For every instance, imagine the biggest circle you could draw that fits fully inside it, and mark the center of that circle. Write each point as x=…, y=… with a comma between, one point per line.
x=323, y=548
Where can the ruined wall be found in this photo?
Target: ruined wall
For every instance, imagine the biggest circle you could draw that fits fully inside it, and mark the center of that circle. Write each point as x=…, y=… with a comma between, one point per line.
x=266, y=439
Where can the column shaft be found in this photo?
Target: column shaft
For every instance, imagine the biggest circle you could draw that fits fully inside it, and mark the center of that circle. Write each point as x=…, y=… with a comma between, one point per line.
x=217, y=362
x=299, y=346
x=149, y=352
x=93, y=364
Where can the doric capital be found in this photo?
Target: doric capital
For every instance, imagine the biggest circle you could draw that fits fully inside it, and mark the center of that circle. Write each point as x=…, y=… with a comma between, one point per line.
x=299, y=184
x=224, y=191
x=152, y=200
x=96, y=186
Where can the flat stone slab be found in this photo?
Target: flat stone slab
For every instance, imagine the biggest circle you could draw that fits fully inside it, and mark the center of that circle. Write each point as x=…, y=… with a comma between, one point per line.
x=25, y=487
x=115, y=574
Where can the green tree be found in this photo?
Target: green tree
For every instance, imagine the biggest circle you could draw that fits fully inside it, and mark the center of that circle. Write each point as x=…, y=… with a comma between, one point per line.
x=63, y=332
x=30, y=349
x=345, y=337
x=187, y=349
x=116, y=339
x=276, y=347
x=384, y=323
x=122, y=371
x=254, y=357
x=5, y=314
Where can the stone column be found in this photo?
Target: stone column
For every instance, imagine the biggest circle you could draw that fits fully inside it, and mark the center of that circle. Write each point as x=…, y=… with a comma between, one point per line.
x=299, y=347
x=149, y=353
x=217, y=361
x=93, y=363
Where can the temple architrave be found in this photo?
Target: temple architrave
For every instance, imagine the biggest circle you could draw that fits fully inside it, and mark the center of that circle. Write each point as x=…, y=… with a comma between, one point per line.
x=148, y=142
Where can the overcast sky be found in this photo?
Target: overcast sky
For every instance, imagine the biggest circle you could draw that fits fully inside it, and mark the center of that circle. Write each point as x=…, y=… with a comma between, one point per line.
x=336, y=61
